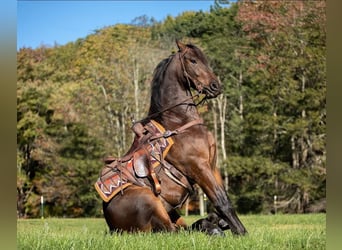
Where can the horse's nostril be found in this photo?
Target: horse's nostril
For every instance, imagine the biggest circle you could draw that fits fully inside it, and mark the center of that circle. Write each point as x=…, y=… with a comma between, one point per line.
x=214, y=86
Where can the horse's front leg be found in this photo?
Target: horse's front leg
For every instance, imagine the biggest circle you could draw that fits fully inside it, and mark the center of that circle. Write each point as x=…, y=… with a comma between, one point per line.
x=222, y=203
x=196, y=158
x=226, y=203
x=209, y=179
x=202, y=174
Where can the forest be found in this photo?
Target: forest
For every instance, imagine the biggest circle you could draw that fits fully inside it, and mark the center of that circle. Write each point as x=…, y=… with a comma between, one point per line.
x=76, y=103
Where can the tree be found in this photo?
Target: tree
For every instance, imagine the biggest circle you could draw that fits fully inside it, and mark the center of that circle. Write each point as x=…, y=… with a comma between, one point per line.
x=76, y=104
x=70, y=115
x=288, y=39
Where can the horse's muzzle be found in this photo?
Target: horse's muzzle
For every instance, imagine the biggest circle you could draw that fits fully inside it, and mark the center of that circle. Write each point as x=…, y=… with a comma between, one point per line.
x=213, y=90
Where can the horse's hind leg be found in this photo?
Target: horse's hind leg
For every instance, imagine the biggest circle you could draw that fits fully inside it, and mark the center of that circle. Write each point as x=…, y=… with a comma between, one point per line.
x=212, y=225
x=138, y=209
x=207, y=226
x=177, y=219
x=160, y=219
x=107, y=216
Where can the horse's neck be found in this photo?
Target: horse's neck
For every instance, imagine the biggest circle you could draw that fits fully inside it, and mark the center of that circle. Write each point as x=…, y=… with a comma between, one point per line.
x=175, y=93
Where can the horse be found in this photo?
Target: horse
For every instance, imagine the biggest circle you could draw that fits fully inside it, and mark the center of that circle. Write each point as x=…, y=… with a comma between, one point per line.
x=192, y=156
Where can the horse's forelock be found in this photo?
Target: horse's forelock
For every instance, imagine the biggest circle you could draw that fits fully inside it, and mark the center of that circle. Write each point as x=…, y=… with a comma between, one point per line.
x=199, y=54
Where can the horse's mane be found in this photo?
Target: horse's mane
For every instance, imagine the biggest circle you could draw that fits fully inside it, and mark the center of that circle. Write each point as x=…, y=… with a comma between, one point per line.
x=158, y=76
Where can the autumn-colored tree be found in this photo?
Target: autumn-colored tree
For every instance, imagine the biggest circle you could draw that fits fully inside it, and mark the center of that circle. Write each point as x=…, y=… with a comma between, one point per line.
x=287, y=112
x=76, y=102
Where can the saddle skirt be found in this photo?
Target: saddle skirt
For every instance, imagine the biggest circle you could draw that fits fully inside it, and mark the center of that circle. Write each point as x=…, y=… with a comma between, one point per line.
x=150, y=147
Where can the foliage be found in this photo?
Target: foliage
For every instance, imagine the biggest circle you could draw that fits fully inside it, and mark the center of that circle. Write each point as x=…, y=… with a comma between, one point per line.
x=76, y=103
x=285, y=115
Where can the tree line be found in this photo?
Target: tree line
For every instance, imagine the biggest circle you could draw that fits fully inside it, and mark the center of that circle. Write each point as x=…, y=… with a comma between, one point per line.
x=76, y=103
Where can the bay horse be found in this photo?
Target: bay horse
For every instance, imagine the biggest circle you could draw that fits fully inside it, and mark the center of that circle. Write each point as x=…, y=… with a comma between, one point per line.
x=193, y=153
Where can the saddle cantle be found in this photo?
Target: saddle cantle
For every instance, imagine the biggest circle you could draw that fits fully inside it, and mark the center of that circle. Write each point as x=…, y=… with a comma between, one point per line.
x=150, y=146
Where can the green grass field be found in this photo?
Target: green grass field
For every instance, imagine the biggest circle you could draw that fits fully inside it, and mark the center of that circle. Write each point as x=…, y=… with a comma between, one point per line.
x=265, y=232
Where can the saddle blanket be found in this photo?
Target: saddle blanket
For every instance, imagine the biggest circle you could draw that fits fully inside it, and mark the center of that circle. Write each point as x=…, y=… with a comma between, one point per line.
x=114, y=179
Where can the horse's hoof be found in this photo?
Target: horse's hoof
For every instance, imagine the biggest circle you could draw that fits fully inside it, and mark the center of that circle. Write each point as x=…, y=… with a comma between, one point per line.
x=223, y=224
x=216, y=232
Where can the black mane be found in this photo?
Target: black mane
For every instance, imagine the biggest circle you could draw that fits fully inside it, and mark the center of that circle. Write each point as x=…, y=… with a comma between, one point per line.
x=158, y=76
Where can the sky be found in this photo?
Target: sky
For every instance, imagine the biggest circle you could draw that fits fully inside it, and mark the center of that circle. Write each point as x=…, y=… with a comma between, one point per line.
x=49, y=22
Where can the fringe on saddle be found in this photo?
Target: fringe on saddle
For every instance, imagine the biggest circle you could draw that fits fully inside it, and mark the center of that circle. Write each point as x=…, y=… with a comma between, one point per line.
x=151, y=144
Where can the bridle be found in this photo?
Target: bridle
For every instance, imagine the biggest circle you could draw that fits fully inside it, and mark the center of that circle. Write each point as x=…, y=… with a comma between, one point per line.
x=198, y=84
x=192, y=96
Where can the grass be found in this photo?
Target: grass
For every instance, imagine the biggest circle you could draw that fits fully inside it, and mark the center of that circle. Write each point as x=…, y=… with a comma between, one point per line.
x=265, y=232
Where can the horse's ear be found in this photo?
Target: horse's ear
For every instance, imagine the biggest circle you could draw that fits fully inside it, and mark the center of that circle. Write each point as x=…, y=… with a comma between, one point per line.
x=181, y=46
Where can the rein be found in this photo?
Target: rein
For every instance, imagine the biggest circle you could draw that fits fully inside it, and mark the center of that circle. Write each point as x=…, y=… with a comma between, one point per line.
x=177, y=131
x=173, y=106
x=170, y=107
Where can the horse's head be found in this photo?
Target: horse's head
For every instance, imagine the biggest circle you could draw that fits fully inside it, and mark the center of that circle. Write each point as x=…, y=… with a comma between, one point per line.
x=197, y=71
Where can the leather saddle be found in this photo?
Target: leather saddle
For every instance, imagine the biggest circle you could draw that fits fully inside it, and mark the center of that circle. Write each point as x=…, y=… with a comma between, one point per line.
x=146, y=153
x=150, y=146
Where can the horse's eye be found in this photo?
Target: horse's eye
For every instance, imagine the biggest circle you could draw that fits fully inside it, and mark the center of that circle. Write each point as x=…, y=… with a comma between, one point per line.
x=193, y=61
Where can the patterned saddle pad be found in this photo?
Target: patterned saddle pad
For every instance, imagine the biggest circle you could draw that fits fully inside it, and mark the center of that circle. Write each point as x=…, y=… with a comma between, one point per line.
x=117, y=176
